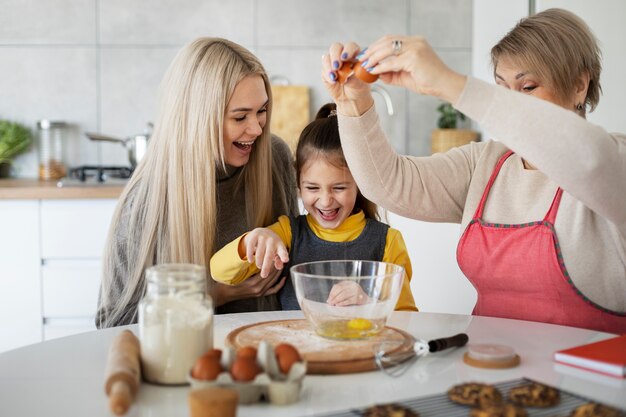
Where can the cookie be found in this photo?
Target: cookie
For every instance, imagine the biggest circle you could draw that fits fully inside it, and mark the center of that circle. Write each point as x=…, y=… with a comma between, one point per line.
x=389, y=410
x=499, y=410
x=596, y=410
x=475, y=394
x=534, y=395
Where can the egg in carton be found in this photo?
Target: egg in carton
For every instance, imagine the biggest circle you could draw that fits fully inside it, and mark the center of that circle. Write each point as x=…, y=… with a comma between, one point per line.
x=271, y=383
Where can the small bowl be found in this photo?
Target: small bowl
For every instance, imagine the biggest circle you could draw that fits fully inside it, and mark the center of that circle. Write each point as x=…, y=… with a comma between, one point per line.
x=347, y=299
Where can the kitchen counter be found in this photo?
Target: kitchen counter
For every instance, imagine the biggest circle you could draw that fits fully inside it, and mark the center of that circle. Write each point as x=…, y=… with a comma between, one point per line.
x=32, y=189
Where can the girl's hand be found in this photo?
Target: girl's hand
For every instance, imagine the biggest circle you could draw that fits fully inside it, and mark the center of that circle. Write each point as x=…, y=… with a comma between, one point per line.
x=253, y=287
x=414, y=65
x=354, y=97
x=265, y=248
x=347, y=293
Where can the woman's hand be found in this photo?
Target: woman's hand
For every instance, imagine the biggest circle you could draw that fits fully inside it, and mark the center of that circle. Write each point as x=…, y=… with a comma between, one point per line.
x=254, y=286
x=410, y=62
x=265, y=248
x=354, y=97
x=347, y=293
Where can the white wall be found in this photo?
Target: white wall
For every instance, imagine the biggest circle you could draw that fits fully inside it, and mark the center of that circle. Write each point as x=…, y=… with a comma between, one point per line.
x=97, y=64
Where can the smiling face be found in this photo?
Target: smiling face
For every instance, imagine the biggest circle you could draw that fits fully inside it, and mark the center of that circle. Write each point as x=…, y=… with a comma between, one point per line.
x=328, y=191
x=528, y=82
x=244, y=120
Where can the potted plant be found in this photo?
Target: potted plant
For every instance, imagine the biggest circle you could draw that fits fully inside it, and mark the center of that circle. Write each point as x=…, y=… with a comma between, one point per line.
x=448, y=135
x=14, y=139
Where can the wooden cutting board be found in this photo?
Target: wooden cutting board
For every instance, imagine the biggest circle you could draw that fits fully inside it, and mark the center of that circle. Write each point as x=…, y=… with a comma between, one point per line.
x=323, y=356
x=290, y=112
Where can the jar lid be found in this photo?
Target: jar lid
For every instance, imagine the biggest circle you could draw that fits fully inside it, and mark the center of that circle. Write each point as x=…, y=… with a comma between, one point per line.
x=48, y=124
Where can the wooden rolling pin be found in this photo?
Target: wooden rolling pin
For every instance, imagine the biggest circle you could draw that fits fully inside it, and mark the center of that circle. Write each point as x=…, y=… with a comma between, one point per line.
x=123, y=372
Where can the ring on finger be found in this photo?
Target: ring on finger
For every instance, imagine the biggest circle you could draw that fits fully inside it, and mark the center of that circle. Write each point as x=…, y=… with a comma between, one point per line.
x=396, y=45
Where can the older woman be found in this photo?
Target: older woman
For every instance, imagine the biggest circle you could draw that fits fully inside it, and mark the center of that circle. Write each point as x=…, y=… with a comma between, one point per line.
x=542, y=207
x=212, y=171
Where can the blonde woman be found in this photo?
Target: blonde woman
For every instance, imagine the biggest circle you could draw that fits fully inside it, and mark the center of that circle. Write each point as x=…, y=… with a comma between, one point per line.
x=542, y=207
x=211, y=172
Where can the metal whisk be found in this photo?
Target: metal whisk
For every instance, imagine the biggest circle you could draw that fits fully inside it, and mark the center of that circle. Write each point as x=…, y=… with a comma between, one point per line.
x=396, y=363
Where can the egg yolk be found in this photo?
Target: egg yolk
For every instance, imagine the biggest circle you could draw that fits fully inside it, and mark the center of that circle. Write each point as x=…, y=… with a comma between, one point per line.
x=360, y=324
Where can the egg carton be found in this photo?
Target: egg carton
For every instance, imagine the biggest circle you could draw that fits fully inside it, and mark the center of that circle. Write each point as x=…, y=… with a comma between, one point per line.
x=270, y=385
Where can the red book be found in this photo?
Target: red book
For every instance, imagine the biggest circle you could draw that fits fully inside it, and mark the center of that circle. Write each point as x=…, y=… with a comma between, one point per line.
x=607, y=357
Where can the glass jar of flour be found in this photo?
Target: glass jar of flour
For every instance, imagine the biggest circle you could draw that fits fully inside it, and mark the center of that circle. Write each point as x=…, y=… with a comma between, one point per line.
x=175, y=322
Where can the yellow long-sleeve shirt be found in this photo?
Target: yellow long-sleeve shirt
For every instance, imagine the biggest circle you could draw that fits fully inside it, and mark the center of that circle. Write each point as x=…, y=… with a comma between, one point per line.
x=229, y=266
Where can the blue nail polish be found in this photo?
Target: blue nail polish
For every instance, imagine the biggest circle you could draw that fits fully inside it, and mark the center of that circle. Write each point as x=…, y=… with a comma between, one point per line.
x=364, y=63
x=332, y=76
x=335, y=64
x=369, y=69
x=360, y=55
x=344, y=55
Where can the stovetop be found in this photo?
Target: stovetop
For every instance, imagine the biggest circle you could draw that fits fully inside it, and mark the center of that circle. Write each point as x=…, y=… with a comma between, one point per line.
x=90, y=175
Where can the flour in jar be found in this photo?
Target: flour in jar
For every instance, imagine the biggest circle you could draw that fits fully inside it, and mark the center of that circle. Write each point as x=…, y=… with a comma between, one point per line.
x=174, y=333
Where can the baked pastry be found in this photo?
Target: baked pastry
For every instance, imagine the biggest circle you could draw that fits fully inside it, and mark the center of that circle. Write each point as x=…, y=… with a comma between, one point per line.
x=596, y=410
x=389, y=410
x=534, y=395
x=475, y=394
x=499, y=410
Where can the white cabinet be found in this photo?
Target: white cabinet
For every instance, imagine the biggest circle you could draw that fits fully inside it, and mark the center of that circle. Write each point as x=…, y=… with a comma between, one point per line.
x=50, y=267
x=20, y=285
x=438, y=285
x=73, y=233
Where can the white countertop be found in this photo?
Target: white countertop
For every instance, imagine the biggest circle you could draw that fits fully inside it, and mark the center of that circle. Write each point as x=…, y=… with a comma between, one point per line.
x=65, y=377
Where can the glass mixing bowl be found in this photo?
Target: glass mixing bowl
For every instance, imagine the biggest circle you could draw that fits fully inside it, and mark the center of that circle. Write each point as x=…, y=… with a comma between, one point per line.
x=347, y=299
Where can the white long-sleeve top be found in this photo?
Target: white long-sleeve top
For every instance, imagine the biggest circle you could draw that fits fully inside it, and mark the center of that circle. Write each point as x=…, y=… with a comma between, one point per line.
x=568, y=151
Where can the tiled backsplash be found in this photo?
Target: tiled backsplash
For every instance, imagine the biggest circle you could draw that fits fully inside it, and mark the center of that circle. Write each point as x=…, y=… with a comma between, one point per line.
x=97, y=64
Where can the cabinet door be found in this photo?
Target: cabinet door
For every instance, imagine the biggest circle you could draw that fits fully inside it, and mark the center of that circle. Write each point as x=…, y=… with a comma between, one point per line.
x=70, y=288
x=75, y=229
x=20, y=297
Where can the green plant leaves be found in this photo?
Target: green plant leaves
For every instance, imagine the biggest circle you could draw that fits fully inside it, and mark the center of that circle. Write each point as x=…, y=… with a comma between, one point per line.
x=14, y=139
x=448, y=116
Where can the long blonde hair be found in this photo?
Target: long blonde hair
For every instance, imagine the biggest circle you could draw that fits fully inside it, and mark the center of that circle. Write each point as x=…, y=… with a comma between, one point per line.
x=169, y=205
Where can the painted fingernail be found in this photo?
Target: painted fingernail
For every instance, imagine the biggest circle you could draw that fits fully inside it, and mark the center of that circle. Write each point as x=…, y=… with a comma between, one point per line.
x=360, y=55
x=344, y=55
x=332, y=76
x=369, y=69
x=364, y=63
x=335, y=64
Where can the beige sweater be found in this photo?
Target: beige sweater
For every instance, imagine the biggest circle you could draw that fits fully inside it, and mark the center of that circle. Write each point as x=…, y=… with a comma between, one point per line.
x=583, y=159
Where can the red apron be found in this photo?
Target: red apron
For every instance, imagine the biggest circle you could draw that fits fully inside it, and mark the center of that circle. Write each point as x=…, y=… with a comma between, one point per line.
x=519, y=273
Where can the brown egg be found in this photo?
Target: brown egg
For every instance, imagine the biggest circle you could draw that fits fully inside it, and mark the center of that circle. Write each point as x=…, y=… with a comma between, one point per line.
x=247, y=352
x=245, y=369
x=213, y=353
x=206, y=368
x=362, y=74
x=286, y=355
x=344, y=72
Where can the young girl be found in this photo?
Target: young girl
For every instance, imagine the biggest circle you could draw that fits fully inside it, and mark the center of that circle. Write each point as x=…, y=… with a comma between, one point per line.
x=340, y=224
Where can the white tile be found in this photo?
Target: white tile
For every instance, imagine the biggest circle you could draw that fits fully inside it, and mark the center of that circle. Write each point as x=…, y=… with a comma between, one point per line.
x=48, y=22
x=174, y=22
x=320, y=23
x=52, y=83
x=445, y=23
x=130, y=78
